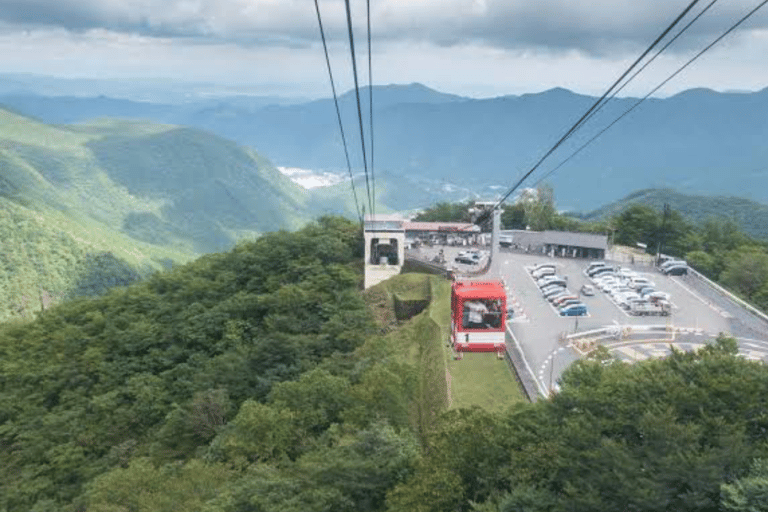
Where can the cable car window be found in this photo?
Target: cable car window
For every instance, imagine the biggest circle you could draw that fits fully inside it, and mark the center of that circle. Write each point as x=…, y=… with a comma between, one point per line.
x=482, y=314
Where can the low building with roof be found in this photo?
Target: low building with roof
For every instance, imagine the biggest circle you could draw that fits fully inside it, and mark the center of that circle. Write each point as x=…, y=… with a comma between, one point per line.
x=558, y=243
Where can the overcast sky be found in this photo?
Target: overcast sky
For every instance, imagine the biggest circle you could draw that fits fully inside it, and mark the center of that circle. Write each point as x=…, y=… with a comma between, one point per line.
x=477, y=48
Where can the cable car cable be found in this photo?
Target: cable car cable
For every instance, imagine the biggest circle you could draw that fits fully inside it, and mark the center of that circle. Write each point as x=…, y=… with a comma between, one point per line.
x=338, y=111
x=649, y=61
x=662, y=84
x=370, y=106
x=359, y=108
x=580, y=122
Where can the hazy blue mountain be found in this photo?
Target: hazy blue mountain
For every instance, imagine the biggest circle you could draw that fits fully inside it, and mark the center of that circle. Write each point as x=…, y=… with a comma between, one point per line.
x=153, y=90
x=73, y=109
x=750, y=216
x=698, y=141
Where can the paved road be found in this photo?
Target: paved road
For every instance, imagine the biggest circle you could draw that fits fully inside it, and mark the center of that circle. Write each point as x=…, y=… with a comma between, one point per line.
x=541, y=332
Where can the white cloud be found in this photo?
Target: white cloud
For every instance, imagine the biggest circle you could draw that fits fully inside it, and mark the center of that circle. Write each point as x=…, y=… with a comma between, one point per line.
x=475, y=47
x=598, y=26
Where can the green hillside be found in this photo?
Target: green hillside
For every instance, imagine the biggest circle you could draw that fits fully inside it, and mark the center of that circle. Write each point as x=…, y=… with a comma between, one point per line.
x=750, y=216
x=49, y=255
x=124, y=197
x=161, y=184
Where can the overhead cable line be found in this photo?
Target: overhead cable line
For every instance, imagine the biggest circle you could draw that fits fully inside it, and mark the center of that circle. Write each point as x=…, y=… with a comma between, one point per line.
x=649, y=61
x=370, y=105
x=359, y=109
x=338, y=111
x=581, y=120
x=662, y=84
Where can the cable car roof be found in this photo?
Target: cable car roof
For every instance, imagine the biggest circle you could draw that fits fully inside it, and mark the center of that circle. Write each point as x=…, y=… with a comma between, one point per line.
x=479, y=289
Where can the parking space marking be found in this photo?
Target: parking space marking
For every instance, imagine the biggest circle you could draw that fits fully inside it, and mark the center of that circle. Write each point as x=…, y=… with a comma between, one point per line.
x=552, y=306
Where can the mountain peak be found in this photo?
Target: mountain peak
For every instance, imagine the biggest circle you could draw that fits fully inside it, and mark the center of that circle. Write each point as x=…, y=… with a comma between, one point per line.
x=413, y=93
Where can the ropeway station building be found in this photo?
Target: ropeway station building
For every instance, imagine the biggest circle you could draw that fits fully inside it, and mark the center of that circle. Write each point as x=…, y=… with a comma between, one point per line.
x=386, y=237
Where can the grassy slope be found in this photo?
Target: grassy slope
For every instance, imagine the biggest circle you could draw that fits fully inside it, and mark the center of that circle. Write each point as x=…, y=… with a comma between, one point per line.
x=478, y=379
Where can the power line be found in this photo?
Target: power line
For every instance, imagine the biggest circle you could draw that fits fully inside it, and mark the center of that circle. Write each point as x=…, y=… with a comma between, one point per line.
x=370, y=105
x=581, y=120
x=662, y=84
x=649, y=61
x=359, y=108
x=338, y=111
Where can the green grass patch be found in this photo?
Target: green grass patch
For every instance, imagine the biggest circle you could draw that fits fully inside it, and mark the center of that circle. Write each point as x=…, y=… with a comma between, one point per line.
x=477, y=379
x=484, y=380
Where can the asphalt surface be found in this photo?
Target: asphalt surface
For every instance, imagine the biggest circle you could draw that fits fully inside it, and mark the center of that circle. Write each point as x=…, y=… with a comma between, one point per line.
x=699, y=313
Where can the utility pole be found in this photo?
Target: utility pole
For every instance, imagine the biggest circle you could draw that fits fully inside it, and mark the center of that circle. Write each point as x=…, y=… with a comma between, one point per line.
x=662, y=231
x=495, y=232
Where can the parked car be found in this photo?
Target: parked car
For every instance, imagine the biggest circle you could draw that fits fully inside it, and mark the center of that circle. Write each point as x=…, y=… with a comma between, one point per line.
x=565, y=293
x=568, y=302
x=593, y=266
x=546, y=271
x=562, y=299
x=600, y=270
x=671, y=263
x=548, y=290
x=574, y=310
x=661, y=308
x=657, y=296
x=551, y=280
x=640, y=282
x=604, y=275
x=466, y=260
x=646, y=290
x=676, y=270
x=625, y=301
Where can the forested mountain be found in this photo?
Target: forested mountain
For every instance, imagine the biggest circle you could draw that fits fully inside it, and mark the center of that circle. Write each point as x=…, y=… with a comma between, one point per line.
x=750, y=216
x=260, y=380
x=88, y=206
x=698, y=141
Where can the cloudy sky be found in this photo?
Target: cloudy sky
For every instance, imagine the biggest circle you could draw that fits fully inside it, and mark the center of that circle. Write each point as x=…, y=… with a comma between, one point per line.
x=477, y=48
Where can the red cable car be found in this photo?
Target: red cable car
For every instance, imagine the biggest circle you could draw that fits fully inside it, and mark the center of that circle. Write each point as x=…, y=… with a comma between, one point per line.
x=478, y=316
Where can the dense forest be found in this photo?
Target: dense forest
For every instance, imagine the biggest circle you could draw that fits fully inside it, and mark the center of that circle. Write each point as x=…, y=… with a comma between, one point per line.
x=263, y=379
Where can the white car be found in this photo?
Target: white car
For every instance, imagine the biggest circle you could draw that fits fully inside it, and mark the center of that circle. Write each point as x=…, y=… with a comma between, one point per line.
x=546, y=271
x=656, y=296
x=627, y=272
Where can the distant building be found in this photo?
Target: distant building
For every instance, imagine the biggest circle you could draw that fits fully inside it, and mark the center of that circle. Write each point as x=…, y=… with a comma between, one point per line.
x=558, y=243
x=445, y=233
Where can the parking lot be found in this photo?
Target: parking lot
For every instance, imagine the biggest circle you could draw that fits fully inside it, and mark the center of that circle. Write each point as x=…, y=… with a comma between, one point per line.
x=689, y=309
x=539, y=329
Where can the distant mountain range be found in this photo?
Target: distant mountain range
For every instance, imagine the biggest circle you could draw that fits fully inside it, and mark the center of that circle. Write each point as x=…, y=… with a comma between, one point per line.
x=698, y=141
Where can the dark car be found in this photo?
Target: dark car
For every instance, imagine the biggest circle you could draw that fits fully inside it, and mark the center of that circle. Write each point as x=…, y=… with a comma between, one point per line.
x=574, y=310
x=676, y=270
x=465, y=259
